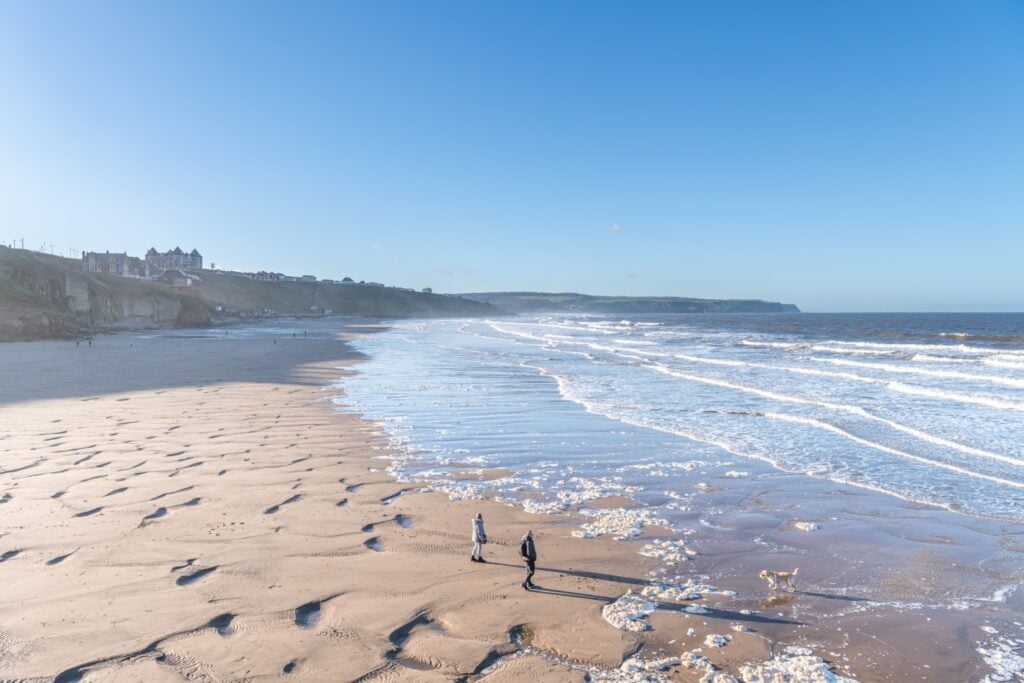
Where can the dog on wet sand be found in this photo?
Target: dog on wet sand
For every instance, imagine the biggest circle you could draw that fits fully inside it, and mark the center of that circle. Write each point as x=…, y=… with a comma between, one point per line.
x=777, y=580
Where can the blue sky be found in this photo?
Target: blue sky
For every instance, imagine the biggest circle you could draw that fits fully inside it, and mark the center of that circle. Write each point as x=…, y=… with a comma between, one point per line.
x=840, y=156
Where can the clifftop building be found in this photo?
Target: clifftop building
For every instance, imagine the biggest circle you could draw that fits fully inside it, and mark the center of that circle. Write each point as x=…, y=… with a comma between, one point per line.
x=116, y=263
x=175, y=258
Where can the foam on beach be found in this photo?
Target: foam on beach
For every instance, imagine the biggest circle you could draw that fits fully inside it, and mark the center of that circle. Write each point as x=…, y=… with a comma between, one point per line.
x=618, y=523
x=1006, y=657
x=792, y=669
x=629, y=612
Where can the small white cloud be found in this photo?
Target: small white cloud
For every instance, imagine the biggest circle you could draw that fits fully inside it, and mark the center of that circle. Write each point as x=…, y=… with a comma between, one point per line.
x=376, y=247
x=615, y=228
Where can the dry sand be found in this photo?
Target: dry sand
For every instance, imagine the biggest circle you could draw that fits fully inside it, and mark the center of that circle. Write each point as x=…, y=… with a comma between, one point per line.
x=194, y=508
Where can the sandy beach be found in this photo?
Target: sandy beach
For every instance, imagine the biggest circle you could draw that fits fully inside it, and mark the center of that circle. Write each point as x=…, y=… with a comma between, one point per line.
x=194, y=507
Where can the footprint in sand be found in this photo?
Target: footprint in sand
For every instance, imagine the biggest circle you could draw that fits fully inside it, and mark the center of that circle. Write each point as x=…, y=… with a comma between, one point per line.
x=373, y=544
x=353, y=488
x=60, y=558
x=116, y=491
x=290, y=666
x=88, y=513
x=388, y=500
x=273, y=509
x=308, y=615
x=58, y=494
x=222, y=623
x=171, y=493
x=342, y=503
x=194, y=576
x=156, y=514
x=9, y=555
x=188, y=563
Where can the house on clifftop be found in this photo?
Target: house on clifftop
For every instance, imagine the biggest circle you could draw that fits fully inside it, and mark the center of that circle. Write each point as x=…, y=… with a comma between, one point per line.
x=175, y=277
x=117, y=264
x=175, y=258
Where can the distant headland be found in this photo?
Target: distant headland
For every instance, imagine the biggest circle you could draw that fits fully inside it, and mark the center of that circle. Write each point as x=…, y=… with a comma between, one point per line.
x=540, y=302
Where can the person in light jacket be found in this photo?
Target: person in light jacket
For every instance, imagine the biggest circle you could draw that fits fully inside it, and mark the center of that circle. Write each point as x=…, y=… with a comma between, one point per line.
x=528, y=551
x=479, y=538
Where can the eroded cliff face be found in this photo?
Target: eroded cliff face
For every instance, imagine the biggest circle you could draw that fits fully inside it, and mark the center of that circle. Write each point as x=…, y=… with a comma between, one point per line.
x=45, y=297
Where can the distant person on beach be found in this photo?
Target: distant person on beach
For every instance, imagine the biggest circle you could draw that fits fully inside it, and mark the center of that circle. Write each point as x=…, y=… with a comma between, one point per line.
x=528, y=551
x=479, y=538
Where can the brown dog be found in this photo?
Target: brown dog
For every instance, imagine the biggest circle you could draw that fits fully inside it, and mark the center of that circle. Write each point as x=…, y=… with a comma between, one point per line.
x=778, y=580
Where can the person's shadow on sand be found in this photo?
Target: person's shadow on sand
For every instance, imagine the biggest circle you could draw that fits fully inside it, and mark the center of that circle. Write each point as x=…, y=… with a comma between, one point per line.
x=710, y=612
x=580, y=573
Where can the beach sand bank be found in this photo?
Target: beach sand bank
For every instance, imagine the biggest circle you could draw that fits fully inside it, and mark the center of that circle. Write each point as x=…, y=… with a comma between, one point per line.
x=180, y=507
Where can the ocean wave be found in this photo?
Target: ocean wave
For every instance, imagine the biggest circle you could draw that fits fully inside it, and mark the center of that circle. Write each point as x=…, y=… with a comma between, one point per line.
x=927, y=358
x=819, y=424
x=925, y=392
x=839, y=407
x=959, y=348
x=946, y=374
x=568, y=392
x=1005, y=361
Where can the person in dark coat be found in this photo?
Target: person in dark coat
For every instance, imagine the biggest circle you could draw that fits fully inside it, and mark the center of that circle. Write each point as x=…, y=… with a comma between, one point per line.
x=479, y=538
x=528, y=551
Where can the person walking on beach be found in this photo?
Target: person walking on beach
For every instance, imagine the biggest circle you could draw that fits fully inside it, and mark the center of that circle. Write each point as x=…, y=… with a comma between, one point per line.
x=528, y=551
x=479, y=538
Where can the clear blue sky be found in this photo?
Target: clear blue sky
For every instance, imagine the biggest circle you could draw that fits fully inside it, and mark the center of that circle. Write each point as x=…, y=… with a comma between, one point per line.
x=841, y=156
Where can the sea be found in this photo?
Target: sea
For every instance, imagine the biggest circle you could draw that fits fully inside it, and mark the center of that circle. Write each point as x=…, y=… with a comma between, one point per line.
x=553, y=411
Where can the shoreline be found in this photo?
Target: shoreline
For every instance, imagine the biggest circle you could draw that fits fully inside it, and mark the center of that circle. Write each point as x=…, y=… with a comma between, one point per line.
x=267, y=574
x=199, y=522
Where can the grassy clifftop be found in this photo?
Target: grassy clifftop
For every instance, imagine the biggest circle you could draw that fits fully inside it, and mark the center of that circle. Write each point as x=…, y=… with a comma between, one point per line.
x=299, y=298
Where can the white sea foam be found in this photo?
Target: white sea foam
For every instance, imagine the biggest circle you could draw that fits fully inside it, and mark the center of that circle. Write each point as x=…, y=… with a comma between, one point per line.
x=895, y=451
x=1006, y=657
x=946, y=374
x=987, y=401
x=670, y=551
x=629, y=612
x=792, y=669
x=958, y=348
x=927, y=358
x=618, y=523
x=566, y=390
x=855, y=410
x=1010, y=362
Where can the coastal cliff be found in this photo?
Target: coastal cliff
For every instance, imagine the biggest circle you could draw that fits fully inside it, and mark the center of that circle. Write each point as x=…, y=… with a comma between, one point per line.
x=541, y=302
x=49, y=297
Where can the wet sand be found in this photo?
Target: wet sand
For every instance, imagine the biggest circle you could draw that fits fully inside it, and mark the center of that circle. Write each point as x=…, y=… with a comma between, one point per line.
x=182, y=507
